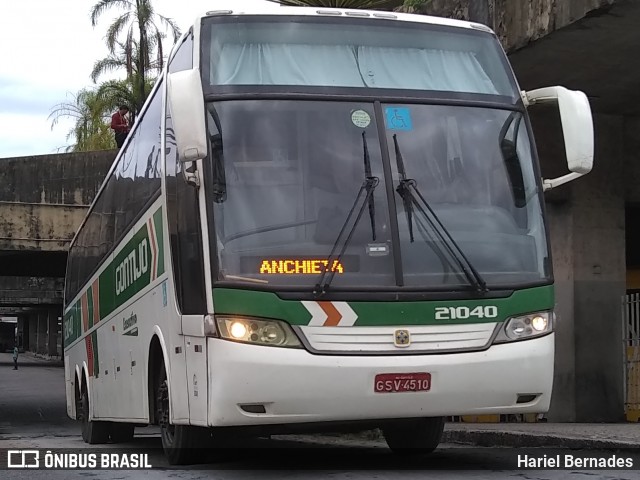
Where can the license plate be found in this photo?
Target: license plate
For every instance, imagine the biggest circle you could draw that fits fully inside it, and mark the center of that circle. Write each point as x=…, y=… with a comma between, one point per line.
x=402, y=382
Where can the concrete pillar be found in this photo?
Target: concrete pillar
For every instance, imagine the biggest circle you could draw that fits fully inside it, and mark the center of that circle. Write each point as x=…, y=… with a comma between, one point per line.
x=42, y=333
x=600, y=278
x=586, y=224
x=25, y=331
x=33, y=331
x=52, y=333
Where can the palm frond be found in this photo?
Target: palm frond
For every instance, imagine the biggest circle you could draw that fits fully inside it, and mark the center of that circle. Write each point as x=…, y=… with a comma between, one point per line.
x=171, y=25
x=103, y=5
x=106, y=65
x=115, y=29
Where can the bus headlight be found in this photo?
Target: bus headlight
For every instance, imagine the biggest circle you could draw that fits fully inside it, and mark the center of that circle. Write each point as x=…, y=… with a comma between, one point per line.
x=259, y=332
x=526, y=326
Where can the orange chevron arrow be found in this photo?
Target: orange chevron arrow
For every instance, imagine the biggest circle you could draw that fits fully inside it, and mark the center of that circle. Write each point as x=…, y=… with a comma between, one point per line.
x=333, y=315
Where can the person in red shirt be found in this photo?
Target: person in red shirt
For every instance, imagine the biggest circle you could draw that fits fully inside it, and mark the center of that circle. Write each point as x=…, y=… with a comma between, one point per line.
x=120, y=125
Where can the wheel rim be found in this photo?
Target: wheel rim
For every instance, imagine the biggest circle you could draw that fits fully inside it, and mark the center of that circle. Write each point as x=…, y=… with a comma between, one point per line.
x=84, y=413
x=167, y=430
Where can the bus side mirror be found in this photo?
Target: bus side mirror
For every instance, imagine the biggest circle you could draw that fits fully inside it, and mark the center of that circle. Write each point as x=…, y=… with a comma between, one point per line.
x=577, y=128
x=186, y=104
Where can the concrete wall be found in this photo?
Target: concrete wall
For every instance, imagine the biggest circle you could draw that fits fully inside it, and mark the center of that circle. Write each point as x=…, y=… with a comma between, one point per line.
x=586, y=220
x=44, y=198
x=31, y=291
x=516, y=22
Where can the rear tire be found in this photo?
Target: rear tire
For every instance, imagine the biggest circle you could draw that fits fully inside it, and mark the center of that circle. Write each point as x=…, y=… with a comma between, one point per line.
x=122, y=432
x=92, y=432
x=414, y=436
x=182, y=444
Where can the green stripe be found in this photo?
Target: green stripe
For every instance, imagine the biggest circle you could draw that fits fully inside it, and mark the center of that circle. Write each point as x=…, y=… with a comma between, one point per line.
x=157, y=223
x=264, y=304
x=125, y=263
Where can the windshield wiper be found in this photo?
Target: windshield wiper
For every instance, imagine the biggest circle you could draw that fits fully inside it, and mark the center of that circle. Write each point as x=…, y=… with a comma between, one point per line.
x=367, y=174
x=368, y=186
x=219, y=186
x=406, y=189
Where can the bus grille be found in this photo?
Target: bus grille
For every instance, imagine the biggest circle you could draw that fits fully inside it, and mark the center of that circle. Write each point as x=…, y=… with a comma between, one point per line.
x=424, y=338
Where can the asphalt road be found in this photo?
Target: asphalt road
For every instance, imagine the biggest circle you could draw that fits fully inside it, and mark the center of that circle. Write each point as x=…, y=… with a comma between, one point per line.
x=33, y=415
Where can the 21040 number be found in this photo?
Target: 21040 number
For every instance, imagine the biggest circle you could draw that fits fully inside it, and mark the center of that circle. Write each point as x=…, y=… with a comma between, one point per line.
x=462, y=313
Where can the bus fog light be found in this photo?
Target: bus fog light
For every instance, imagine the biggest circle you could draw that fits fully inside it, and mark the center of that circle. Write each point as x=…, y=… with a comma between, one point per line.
x=525, y=326
x=258, y=332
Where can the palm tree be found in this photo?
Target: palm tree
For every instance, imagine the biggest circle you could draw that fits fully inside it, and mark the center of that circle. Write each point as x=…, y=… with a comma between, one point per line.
x=91, y=130
x=144, y=33
x=113, y=93
x=366, y=4
x=126, y=58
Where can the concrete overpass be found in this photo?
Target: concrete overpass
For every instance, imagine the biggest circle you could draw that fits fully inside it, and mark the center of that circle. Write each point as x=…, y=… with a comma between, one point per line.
x=43, y=199
x=582, y=44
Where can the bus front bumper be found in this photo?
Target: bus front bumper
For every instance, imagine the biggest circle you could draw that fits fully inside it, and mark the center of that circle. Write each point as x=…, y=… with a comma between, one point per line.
x=294, y=386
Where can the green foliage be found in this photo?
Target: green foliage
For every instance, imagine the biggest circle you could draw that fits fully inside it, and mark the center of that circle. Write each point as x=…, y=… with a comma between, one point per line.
x=91, y=130
x=141, y=50
x=134, y=40
x=416, y=4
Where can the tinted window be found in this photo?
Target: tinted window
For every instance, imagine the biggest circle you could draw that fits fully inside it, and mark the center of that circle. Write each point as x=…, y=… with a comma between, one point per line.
x=132, y=185
x=183, y=59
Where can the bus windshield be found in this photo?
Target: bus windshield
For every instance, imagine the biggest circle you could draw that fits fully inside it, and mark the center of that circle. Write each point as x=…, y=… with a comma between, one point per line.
x=286, y=173
x=316, y=51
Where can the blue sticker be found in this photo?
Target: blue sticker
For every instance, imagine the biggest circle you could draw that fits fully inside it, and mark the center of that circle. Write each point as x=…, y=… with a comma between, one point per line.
x=398, y=118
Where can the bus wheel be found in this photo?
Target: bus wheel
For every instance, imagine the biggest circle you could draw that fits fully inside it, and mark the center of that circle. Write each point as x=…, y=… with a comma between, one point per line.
x=414, y=435
x=122, y=432
x=92, y=432
x=182, y=444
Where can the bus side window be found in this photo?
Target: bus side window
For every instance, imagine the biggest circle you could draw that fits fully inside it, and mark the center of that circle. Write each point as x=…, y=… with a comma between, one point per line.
x=184, y=234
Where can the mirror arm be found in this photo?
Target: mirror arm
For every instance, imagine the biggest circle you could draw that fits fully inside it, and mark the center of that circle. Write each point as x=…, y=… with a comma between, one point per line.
x=192, y=178
x=549, y=184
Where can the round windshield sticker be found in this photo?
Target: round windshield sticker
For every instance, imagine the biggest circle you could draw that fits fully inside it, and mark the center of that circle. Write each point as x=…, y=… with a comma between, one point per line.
x=360, y=118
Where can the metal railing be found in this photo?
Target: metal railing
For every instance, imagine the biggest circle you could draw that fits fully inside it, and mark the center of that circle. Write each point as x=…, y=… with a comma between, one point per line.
x=631, y=354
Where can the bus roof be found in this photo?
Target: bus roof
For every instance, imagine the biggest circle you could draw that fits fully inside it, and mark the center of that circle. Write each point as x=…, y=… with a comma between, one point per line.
x=267, y=7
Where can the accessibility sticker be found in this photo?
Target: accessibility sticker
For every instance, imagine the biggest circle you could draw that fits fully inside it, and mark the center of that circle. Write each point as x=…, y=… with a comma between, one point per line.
x=398, y=118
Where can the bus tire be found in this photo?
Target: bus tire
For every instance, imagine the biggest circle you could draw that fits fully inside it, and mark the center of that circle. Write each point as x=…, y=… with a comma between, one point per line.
x=92, y=432
x=414, y=435
x=182, y=444
x=122, y=432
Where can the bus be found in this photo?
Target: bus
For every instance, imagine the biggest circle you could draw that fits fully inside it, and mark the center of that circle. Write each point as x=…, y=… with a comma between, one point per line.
x=323, y=219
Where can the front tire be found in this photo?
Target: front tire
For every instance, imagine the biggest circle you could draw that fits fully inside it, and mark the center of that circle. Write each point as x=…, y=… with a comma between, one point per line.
x=414, y=435
x=182, y=444
x=92, y=432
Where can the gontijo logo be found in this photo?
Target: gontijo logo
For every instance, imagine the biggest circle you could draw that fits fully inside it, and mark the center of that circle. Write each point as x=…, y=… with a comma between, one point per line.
x=132, y=267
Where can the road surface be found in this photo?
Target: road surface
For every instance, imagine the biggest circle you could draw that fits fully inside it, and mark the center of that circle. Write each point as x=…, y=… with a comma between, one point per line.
x=33, y=415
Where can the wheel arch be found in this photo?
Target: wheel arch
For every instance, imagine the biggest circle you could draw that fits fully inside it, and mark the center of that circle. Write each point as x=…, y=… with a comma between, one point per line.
x=157, y=356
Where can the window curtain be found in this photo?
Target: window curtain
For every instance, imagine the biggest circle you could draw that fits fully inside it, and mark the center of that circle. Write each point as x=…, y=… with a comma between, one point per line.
x=350, y=66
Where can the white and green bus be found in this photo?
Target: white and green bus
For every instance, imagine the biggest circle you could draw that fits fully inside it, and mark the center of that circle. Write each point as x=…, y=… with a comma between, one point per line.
x=323, y=219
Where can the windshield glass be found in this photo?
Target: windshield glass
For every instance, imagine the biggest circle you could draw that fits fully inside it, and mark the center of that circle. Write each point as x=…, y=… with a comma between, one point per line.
x=285, y=175
x=330, y=52
x=474, y=168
